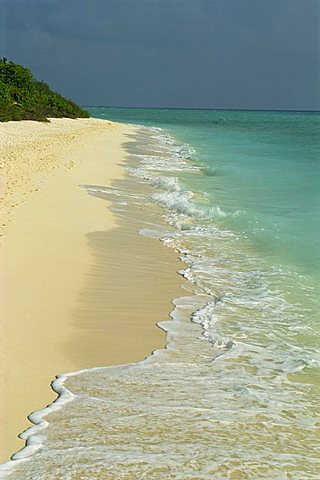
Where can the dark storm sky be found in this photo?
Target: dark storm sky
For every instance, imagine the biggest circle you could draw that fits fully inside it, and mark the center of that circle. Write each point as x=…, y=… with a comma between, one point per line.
x=171, y=53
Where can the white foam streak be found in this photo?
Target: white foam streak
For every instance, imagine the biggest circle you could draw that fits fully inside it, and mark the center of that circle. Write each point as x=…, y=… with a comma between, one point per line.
x=167, y=183
x=32, y=435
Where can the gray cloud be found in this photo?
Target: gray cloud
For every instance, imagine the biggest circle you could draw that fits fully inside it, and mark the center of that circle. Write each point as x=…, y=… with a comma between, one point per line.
x=196, y=53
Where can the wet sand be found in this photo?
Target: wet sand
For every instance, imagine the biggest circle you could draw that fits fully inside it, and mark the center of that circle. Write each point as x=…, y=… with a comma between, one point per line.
x=79, y=287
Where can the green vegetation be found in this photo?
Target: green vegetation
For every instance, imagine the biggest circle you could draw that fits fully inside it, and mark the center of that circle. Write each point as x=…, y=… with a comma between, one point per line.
x=24, y=98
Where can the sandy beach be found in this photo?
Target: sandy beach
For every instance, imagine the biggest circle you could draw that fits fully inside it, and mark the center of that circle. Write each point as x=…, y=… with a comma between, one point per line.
x=72, y=294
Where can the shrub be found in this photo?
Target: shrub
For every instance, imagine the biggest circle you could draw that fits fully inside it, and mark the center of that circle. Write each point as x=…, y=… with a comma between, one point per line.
x=24, y=98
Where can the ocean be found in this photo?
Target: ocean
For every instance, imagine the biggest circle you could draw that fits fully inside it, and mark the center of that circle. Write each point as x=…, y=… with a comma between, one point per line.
x=235, y=395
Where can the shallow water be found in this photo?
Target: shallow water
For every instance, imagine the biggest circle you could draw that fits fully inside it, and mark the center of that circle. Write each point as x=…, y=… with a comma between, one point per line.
x=236, y=393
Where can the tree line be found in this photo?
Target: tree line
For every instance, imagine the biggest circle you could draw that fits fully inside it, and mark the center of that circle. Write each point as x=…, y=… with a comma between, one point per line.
x=22, y=97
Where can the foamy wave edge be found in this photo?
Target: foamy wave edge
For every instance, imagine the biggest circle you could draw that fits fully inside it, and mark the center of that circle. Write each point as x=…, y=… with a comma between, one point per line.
x=34, y=441
x=31, y=434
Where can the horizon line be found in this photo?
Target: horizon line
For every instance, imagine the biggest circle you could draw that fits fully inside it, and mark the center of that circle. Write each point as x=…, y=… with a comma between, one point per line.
x=206, y=108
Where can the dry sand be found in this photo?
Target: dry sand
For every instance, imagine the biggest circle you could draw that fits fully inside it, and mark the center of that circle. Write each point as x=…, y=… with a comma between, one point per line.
x=78, y=287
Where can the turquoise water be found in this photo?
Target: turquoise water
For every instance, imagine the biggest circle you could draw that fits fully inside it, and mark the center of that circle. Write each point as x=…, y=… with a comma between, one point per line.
x=235, y=395
x=264, y=164
x=242, y=190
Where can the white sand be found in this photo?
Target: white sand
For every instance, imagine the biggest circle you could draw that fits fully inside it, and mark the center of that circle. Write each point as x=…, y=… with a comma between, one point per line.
x=46, y=263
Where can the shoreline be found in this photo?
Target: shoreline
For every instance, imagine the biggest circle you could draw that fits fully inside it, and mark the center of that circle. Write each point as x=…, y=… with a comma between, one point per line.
x=58, y=248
